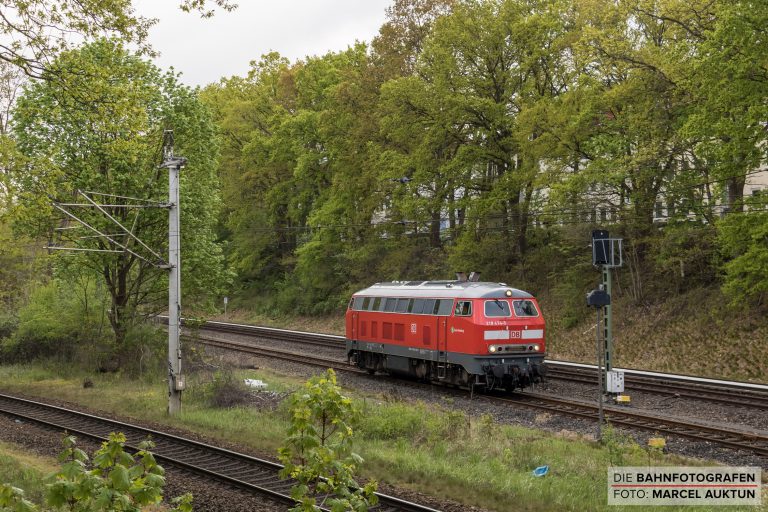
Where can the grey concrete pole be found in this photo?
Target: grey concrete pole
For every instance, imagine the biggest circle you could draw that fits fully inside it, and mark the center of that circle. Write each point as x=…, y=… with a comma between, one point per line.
x=175, y=382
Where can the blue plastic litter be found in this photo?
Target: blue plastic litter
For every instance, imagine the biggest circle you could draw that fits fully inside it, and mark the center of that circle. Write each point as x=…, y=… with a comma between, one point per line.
x=541, y=471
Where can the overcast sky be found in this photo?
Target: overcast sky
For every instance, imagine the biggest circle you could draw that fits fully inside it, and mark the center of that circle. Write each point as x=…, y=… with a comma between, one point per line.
x=205, y=50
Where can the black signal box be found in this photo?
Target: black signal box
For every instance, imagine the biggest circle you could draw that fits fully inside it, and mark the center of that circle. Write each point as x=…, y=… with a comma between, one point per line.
x=600, y=247
x=598, y=299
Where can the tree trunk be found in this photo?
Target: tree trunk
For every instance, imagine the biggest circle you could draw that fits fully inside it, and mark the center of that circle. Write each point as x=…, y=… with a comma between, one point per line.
x=434, y=231
x=735, y=186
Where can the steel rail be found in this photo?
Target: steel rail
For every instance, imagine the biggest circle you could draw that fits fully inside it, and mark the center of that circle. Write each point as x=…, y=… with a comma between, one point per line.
x=753, y=441
x=295, y=357
x=242, y=471
x=632, y=376
x=724, y=395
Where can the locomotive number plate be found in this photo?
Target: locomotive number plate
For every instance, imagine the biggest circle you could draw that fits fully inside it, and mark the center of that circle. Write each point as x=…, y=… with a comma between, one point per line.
x=514, y=334
x=413, y=328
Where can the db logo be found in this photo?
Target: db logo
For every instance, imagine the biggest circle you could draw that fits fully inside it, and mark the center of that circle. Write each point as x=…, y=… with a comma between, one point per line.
x=413, y=328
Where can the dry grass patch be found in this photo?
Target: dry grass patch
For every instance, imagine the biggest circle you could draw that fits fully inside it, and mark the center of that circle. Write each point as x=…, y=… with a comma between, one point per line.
x=692, y=333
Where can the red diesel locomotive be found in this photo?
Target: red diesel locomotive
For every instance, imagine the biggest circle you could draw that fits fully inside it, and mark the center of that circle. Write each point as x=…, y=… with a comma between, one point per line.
x=461, y=332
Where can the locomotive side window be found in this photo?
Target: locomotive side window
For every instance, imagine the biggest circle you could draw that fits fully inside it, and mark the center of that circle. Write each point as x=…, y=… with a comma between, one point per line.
x=366, y=303
x=444, y=307
x=464, y=308
x=402, y=305
x=418, y=306
x=429, y=306
x=524, y=308
x=376, y=304
x=351, y=301
x=390, y=305
x=497, y=308
x=357, y=303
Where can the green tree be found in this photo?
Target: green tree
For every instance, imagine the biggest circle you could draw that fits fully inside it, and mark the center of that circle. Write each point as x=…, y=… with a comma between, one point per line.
x=318, y=450
x=99, y=128
x=743, y=242
x=33, y=32
x=726, y=77
x=464, y=123
x=401, y=38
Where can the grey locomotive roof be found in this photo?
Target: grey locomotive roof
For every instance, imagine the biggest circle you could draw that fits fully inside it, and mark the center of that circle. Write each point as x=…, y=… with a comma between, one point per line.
x=439, y=289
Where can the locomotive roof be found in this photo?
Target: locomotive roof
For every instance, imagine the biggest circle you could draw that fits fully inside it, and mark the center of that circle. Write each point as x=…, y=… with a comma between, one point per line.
x=439, y=289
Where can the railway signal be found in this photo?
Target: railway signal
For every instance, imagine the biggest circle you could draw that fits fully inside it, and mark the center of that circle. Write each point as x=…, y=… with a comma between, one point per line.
x=606, y=255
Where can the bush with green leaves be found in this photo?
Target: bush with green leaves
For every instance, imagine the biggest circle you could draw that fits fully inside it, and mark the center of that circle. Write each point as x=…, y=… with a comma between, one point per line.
x=56, y=318
x=318, y=451
x=66, y=319
x=113, y=481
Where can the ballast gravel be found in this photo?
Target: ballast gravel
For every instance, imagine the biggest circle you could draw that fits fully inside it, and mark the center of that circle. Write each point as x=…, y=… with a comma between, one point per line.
x=659, y=405
x=208, y=496
x=213, y=496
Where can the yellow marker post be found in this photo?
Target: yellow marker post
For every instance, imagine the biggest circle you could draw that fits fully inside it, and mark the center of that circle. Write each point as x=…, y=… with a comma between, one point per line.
x=622, y=399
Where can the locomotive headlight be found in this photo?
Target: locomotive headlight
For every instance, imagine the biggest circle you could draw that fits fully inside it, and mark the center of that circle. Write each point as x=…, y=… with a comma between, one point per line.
x=508, y=293
x=535, y=348
x=492, y=349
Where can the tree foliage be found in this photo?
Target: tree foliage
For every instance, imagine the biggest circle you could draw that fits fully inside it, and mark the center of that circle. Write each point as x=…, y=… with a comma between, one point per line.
x=515, y=123
x=99, y=129
x=34, y=32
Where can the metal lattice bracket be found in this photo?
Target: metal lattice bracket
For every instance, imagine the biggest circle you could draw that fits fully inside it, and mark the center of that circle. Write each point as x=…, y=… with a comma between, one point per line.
x=607, y=252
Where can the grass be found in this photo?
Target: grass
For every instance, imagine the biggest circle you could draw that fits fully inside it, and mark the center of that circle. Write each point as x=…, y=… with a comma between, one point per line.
x=434, y=450
x=25, y=471
x=691, y=333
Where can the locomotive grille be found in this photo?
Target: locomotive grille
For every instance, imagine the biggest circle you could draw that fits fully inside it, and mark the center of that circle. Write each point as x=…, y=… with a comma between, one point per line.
x=512, y=348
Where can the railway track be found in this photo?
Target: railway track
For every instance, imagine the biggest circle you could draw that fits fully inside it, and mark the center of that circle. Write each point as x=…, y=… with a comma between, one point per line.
x=241, y=471
x=306, y=338
x=724, y=392
x=751, y=441
x=741, y=397
x=755, y=442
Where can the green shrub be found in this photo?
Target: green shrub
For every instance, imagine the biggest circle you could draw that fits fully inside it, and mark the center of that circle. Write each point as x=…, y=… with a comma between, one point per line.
x=685, y=256
x=318, y=449
x=48, y=326
x=62, y=320
x=8, y=324
x=113, y=480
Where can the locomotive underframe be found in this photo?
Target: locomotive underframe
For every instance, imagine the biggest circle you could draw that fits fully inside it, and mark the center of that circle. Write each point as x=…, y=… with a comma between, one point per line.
x=464, y=370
